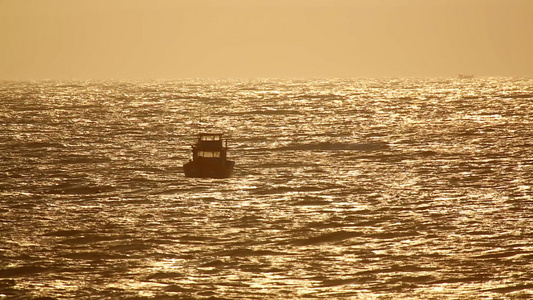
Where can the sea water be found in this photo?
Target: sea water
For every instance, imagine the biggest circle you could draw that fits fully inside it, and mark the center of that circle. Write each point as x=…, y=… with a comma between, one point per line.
x=360, y=188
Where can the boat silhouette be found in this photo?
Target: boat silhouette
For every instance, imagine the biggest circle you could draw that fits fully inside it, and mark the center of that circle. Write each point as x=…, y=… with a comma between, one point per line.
x=209, y=158
x=465, y=76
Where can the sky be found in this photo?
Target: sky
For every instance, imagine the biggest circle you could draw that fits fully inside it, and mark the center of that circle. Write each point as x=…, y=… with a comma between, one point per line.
x=173, y=39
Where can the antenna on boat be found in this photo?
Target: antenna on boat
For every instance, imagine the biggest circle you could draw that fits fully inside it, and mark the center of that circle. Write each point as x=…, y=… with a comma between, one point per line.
x=200, y=121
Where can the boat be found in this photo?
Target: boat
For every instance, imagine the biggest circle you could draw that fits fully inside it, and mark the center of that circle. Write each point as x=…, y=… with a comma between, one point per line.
x=465, y=76
x=209, y=157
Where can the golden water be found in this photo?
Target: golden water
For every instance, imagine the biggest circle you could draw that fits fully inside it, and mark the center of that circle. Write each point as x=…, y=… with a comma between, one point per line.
x=385, y=189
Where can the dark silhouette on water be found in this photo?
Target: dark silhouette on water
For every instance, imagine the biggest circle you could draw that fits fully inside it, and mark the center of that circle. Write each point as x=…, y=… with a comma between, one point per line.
x=209, y=158
x=465, y=76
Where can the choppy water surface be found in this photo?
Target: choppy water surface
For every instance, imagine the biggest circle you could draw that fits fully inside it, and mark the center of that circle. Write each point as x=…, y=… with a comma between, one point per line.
x=344, y=188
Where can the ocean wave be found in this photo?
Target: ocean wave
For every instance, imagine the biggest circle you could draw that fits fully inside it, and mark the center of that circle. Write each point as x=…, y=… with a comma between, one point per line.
x=337, y=146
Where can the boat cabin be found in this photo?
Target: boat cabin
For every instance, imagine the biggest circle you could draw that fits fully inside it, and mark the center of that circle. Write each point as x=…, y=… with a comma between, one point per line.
x=209, y=157
x=209, y=145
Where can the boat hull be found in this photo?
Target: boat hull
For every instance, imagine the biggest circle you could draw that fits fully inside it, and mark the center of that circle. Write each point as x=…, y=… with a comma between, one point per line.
x=197, y=169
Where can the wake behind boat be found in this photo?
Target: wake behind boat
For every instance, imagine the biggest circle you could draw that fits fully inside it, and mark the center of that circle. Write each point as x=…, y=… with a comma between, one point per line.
x=209, y=158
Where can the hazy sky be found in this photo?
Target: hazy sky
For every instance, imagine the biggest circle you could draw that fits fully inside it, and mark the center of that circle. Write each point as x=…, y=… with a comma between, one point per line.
x=153, y=39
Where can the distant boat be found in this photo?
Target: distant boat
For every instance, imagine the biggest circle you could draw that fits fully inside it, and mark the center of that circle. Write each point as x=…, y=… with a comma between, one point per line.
x=209, y=158
x=465, y=76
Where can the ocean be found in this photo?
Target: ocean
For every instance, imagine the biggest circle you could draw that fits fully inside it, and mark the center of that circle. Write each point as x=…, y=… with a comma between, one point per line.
x=343, y=188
